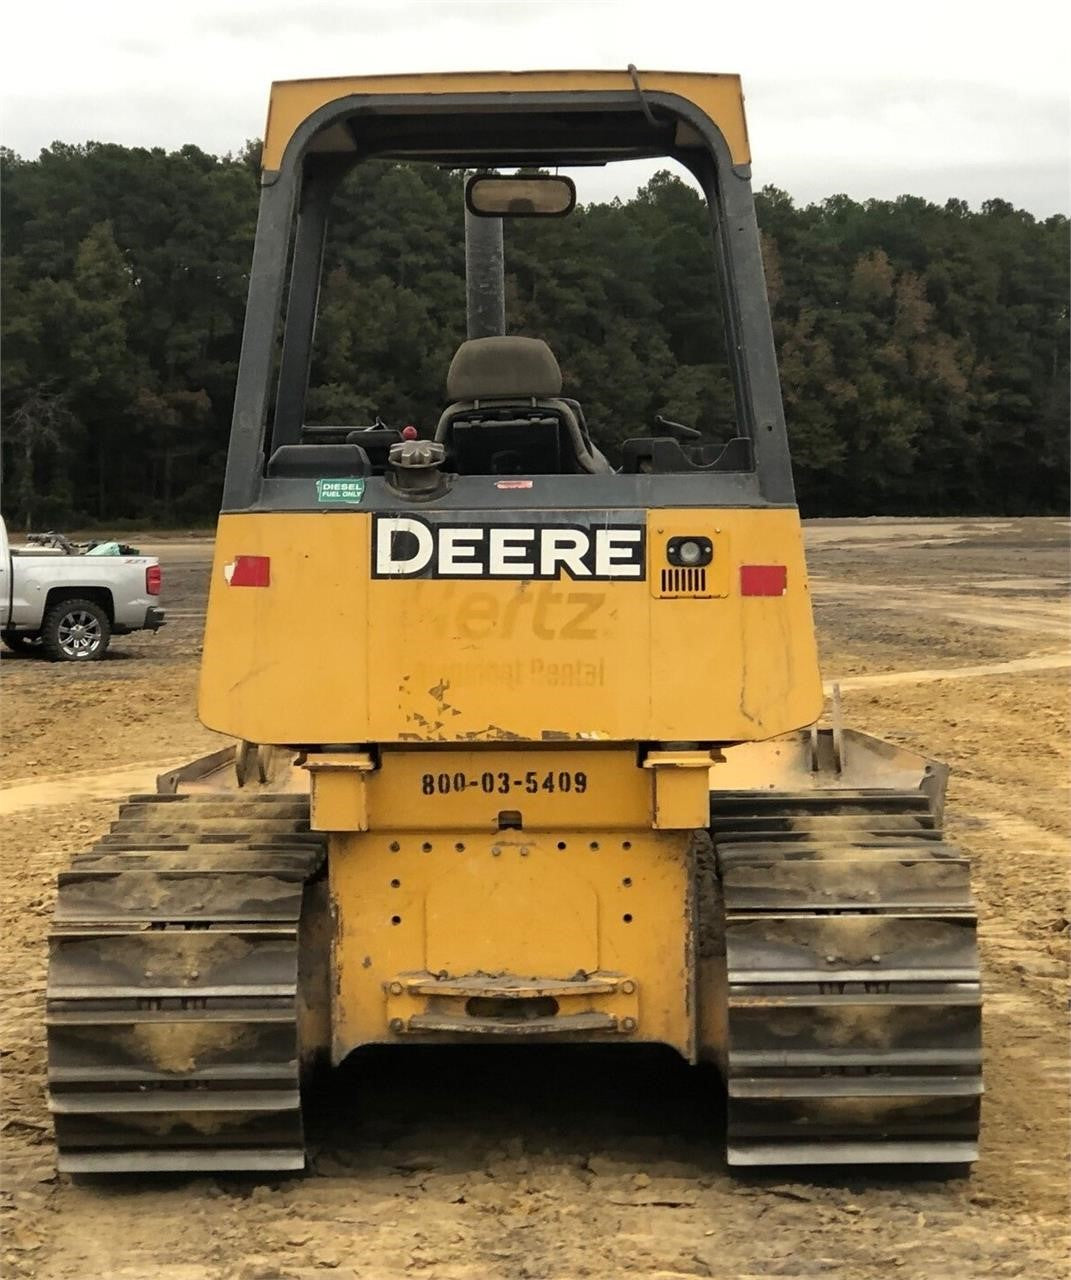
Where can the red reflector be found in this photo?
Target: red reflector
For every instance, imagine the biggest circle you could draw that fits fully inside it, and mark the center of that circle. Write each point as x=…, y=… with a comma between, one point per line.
x=154, y=579
x=763, y=579
x=249, y=571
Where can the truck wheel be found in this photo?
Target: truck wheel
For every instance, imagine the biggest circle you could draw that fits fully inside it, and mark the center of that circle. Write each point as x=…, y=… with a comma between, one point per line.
x=75, y=631
x=22, y=641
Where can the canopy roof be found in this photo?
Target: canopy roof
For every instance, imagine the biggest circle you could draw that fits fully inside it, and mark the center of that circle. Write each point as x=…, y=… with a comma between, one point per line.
x=501, y=117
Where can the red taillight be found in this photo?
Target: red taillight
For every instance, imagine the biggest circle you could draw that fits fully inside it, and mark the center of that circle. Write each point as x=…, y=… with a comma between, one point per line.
x=763, y=579
x=248, y=571
x=154, y=579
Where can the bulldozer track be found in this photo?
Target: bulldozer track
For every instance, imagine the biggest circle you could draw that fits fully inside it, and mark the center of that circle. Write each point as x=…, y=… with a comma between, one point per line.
x=853, y=987
x=173, y=988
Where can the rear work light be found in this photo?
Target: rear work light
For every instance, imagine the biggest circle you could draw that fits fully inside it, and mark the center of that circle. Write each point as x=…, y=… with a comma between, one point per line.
x=154, y=579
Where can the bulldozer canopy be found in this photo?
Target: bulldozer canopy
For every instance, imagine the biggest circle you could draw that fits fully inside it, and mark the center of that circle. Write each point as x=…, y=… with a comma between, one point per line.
x=507, y=118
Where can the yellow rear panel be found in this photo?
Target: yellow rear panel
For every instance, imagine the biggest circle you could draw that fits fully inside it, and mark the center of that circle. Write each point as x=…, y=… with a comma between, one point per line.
x=325, y=653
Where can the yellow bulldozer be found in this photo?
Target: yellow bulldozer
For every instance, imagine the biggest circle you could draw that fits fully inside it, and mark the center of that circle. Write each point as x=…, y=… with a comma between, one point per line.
x=555, y=773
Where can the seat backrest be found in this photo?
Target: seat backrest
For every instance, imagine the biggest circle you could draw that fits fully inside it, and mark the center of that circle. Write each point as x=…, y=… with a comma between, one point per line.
x=504, y=368
x=506, y=414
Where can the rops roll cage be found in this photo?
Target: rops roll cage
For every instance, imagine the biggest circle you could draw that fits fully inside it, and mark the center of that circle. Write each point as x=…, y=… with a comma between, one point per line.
x=477, y=130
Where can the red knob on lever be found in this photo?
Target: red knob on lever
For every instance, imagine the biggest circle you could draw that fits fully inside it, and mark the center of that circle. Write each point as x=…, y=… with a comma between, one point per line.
x=410, y=432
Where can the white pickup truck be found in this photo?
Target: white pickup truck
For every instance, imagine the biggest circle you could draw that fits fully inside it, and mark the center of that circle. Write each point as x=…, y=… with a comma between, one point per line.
x=68, y=606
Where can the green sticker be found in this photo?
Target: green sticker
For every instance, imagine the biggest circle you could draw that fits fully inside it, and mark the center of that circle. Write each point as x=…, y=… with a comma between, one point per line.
x=339, y=490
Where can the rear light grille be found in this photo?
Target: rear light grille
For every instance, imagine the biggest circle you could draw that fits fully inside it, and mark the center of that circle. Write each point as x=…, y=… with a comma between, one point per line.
x=154, y=579
x=684, y=582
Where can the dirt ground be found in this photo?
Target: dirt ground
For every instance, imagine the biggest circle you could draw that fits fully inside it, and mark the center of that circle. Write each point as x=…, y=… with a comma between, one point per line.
x=947, y=636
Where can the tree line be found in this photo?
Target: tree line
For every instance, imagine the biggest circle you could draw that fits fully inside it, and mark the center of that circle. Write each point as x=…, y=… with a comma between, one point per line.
x=923, y=347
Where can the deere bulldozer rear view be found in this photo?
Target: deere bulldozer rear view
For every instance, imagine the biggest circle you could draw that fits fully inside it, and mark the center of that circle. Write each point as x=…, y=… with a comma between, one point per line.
x=553, y=773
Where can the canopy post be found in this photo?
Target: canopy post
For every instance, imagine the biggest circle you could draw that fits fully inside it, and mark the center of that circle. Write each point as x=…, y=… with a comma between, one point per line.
x=485, y=278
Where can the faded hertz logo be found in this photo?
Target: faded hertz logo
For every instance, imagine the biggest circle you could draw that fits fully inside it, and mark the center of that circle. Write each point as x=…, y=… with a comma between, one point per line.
x=415, y=547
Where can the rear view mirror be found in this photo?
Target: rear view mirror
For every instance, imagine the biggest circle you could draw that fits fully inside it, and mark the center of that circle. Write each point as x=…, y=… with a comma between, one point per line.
x=535, y=195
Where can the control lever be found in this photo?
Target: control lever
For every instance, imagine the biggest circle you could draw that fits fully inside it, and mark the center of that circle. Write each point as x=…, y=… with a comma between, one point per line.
x=677, y=429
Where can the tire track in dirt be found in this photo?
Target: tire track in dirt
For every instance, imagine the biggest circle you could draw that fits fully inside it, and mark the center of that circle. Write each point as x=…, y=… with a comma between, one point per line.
x=75, y=788
x=1038, y=662
x=1050, y=618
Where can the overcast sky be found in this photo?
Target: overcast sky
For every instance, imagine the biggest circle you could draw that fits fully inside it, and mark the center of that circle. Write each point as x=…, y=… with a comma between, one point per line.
x=941, y=98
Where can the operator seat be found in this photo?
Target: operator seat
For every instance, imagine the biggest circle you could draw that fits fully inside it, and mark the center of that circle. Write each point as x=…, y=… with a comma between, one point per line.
x=507, y=415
